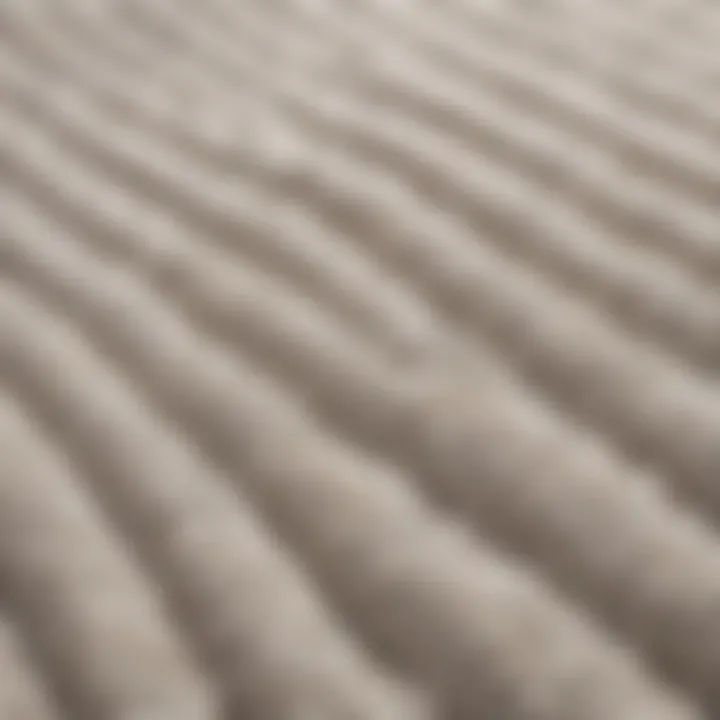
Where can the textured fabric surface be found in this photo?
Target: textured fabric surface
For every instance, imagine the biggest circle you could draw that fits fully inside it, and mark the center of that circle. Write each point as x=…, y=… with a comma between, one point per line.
x=359, y=360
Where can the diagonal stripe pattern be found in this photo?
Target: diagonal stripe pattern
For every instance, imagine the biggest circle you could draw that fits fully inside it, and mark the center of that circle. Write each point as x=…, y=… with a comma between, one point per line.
x=359, y=360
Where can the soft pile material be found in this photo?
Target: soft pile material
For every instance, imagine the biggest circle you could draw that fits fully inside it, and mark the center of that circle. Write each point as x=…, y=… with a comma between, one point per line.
x=359, y=360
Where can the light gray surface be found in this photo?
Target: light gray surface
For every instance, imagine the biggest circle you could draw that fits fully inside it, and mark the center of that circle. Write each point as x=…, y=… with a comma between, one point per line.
x=359, y=360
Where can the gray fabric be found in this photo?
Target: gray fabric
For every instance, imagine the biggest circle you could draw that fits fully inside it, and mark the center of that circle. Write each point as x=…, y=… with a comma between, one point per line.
x=359, y=360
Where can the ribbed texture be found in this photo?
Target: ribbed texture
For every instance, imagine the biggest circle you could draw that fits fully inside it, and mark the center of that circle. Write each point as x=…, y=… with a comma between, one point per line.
x=359, y=360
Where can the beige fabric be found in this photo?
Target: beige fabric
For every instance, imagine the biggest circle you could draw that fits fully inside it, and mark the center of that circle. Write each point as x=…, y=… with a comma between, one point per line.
x=359, y=360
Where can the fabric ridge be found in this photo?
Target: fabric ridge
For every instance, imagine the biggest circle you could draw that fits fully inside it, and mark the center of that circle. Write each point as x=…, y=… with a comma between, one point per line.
x=359, y=360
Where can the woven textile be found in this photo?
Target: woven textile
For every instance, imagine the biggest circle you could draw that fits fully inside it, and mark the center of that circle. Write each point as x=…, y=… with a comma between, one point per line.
x=359, y=360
